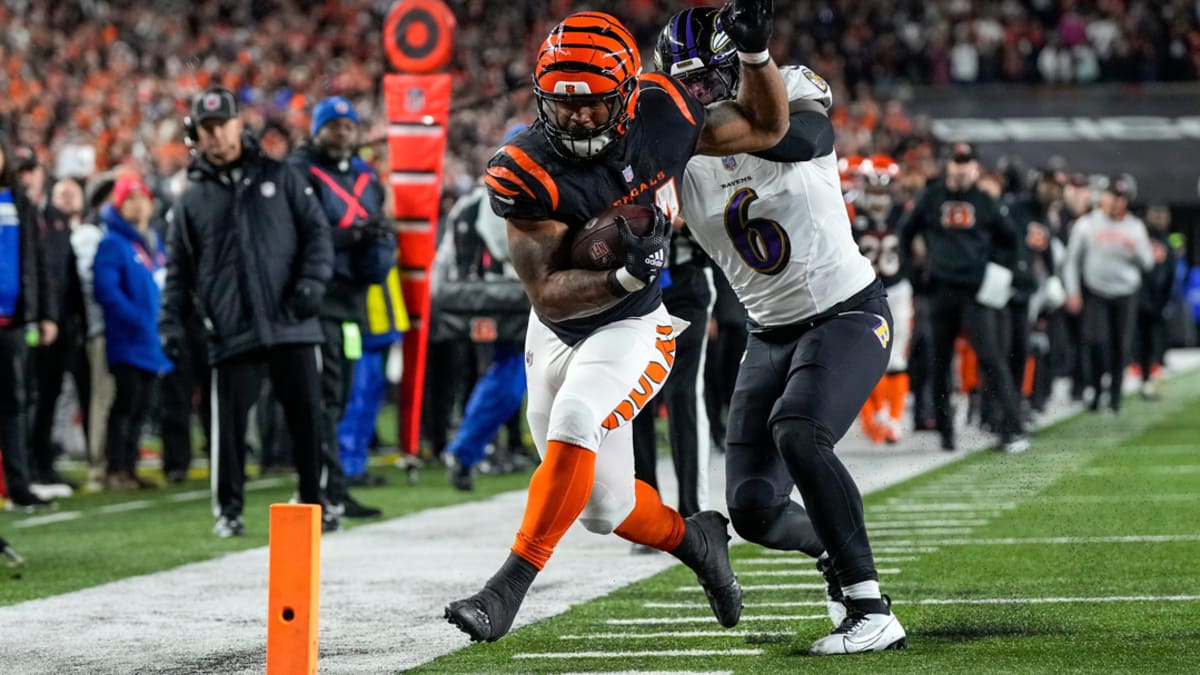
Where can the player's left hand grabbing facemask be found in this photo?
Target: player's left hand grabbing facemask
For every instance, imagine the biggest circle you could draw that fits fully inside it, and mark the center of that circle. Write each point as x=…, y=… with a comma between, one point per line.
x=645, y=255
x=748, y=24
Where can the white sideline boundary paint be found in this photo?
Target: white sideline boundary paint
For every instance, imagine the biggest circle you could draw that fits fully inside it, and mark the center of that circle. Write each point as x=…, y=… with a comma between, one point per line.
x=1022, y=541
x=655, y=621
x=805, y=559
x=894, y=524
x=946, y=601
x=634, y=655
x=655, y=672
x=36, y=521
x=121, y=507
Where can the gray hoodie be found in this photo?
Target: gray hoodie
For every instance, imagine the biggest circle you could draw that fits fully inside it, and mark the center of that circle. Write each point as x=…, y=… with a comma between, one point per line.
x=1107, y=256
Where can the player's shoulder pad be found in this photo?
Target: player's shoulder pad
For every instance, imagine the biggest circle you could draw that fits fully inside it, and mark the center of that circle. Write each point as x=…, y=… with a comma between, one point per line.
x=658, y=87
x=803, y=83
x=519, y=178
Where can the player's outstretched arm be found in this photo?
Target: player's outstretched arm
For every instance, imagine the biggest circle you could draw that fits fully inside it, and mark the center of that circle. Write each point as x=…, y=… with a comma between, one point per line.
x=557, y=294
x=758, y=118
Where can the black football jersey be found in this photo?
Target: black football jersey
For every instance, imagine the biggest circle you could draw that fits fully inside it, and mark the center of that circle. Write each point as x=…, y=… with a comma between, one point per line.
x=529, y=180
x=879, y=242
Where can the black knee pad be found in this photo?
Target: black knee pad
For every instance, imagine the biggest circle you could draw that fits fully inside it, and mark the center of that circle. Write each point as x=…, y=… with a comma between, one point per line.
x=801, y=439
x=758, y=525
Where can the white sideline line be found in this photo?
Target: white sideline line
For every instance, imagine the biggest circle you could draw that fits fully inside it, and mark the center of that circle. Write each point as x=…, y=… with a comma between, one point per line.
x=48, y=518
x=1168, y=470
x=626, y=655
x=946, y=601
x=902, y=504
x=124, y=506
x=709, y=619
x=904, y=549
x=677, y=634
x=1020, y=541
x=766, y=587
x=804, y=560
x=803, y=573
x=920, y=532
x=188, y=496
x=905, y=516
x=654, y=673
x=891, y=524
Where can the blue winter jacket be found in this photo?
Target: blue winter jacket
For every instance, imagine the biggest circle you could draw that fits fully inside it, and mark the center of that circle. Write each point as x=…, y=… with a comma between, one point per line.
x=126, y=289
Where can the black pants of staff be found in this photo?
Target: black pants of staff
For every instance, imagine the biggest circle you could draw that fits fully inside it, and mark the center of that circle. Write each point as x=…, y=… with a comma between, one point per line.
x=50, y=364
x=337, y=375
x=13, y=434
x=1108, y=329
x=920, y=363
x=294, y=376
x=1151, y=341
x=178, y=390
x=954, y=309
x=687, y=298
x=720, y=375
x=134, y=387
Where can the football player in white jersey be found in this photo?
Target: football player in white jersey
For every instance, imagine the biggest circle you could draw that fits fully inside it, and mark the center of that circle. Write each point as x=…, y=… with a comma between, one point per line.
x=776, y=223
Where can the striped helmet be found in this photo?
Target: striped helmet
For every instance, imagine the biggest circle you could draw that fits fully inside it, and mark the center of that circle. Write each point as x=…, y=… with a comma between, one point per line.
x=693, y=48
x=589, y=59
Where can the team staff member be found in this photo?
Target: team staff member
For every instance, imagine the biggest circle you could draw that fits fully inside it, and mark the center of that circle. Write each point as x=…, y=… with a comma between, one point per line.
x=1106, y=255
x=964, y=229
x=364, y=251
x=1157, y=285
x=27, y=318
x=250, y=253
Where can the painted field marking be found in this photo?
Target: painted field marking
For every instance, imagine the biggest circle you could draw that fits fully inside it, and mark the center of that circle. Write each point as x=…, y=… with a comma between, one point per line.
x=1167, y=470
x=191, y=495
x=48, y=518
x=678, y=634
x=902, y=516
x=124, y=506
x=708, y=619
x=634, y=655
x=924, y=531
x=904, y=549
x=890, y=524
x=1021, y=541
x=654, y=672
x=799, y=560
x=901, y=504
x=804, y=573
x=946, y=601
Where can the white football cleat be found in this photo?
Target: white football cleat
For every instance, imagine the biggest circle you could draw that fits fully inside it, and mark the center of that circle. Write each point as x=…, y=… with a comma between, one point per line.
x=860, y=633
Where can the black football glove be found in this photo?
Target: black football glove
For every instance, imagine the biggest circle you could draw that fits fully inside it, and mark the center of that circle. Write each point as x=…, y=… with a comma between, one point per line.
x=645, y=255
x=306, y=300
x=747, y=23
x=377, y=229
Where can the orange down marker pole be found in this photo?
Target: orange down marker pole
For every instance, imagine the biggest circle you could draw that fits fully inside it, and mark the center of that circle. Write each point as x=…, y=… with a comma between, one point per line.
x=295, y=575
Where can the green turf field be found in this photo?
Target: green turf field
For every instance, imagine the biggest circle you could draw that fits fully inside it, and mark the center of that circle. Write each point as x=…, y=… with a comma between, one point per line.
x=92, y=539
x=1081, y=555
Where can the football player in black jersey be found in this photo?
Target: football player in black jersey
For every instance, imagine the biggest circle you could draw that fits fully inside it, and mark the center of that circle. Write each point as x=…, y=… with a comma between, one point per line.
x=600, y=344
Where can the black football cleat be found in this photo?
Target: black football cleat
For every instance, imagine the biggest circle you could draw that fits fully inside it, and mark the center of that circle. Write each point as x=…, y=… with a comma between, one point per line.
x=488, y=615
x=705, y=549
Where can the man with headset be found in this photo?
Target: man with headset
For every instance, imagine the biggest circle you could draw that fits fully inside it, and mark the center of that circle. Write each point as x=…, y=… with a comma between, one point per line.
x=250, y=254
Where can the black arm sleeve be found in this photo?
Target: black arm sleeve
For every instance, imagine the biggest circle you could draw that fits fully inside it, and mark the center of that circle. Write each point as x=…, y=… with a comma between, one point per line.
x=809, y=135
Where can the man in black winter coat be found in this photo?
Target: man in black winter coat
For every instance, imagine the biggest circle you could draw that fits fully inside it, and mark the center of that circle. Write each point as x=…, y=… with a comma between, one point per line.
x=250, y=253
x=28, y=316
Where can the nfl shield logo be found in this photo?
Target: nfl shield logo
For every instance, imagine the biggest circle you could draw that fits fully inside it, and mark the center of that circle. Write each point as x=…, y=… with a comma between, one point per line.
x=627, y=174
x=414, y=99
x=729, y=163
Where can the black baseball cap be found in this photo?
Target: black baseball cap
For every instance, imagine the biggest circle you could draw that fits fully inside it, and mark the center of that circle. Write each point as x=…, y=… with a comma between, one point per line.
x=962, y=153
x=214, y=103
x=1122, y=186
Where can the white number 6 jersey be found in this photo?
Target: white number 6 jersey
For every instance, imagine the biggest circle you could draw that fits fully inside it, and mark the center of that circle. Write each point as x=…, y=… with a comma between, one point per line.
x=779, y=231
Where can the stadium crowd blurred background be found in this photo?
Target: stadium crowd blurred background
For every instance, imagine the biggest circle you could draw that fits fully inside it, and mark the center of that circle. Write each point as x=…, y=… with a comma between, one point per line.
x=92, y=89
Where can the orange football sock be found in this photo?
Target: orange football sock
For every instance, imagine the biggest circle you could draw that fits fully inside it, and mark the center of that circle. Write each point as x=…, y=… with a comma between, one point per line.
x=558, y=491
x=652, y=523
x=897, y=393
x=870, y=411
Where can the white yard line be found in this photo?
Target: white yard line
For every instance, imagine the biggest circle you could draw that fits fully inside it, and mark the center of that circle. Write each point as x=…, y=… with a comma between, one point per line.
x=655, y=672
x=640, y=654
x=136, y=505
x=654, y=621
x=800, y=573
x=783, y=604
x=918, y=532
x=677, y=634
x=49, y=518
x=802, y=559
x=1023, y=541
x=892, y=524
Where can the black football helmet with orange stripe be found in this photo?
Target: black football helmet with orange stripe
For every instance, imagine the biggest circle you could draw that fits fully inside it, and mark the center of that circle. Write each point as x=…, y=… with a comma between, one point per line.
x=693, y=49
x=589, y=59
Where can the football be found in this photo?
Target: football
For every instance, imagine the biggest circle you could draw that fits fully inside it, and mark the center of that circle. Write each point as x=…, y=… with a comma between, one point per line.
x=597, y=245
